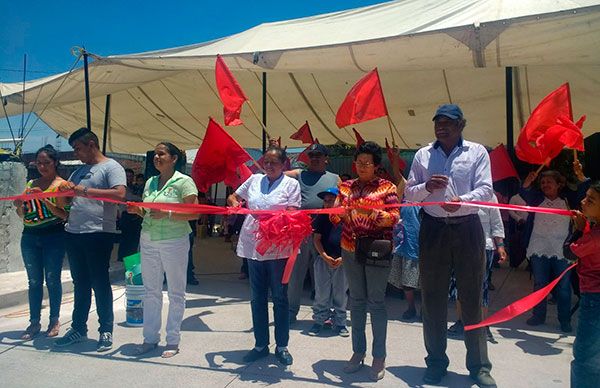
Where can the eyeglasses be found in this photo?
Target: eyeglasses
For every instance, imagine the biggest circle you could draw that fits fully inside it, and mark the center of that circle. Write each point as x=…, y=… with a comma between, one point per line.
x=271, y=163
x=364, y=164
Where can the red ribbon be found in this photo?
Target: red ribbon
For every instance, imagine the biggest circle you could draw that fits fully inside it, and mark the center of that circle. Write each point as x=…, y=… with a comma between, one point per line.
x=521, y=306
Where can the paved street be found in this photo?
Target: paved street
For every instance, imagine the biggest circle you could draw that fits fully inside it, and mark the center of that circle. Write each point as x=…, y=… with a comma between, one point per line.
x=216, y=333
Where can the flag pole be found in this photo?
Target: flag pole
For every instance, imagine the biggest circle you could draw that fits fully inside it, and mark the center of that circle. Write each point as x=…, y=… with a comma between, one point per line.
x=389, y=120
x=258, y=118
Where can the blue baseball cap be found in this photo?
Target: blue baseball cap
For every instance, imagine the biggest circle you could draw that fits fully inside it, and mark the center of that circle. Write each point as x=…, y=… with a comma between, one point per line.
x=452, y=111
x=330, y=191
x=317, y=148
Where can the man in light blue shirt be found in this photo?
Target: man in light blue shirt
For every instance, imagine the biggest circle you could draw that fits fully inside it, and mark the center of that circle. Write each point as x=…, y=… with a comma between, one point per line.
x=451, y=239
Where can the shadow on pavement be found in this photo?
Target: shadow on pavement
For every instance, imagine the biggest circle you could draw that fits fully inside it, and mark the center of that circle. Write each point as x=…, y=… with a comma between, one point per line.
x=533, y=344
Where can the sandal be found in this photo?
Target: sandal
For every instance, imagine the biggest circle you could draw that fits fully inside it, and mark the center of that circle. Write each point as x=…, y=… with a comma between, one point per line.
x=170, y=351
x=53, y=329
x=144, y=348
x=31, y=331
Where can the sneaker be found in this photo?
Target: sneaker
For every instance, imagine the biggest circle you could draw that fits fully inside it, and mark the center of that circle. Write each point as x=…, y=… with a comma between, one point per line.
x=315, y=329
x=254, y=354
x=72, y=337
x=535, y=321
x=105, y=342
x=565, y=327
x=409, y=314
x=342, y=331
x=483, y=379
x=457, y=329
x=284, y=357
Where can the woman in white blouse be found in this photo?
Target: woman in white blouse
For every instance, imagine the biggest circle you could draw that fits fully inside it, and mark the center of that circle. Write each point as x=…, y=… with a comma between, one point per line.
x=272, y=191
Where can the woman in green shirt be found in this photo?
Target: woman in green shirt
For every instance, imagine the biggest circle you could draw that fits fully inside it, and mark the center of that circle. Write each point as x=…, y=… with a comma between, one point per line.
x=164, y=245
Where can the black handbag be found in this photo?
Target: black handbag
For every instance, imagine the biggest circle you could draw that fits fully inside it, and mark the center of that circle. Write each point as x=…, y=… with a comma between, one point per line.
x=373, y=251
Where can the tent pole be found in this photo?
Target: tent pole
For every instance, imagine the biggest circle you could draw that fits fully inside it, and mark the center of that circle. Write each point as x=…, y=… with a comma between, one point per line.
x=510, y=141
x=106, y=123
x=264, y=111
x=88, y=111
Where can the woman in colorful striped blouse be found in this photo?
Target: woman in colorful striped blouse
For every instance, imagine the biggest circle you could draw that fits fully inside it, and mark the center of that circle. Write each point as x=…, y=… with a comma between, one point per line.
x=367, y=280
x=42, y=243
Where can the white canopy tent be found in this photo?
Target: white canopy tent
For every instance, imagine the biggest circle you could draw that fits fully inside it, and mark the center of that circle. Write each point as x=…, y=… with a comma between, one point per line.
x=428, y=52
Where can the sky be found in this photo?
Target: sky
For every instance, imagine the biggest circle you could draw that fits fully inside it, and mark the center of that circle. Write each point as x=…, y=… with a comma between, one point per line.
x=46, y=30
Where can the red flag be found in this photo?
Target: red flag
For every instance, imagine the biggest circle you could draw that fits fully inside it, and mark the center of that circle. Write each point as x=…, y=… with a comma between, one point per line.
x=393, y=155
x=554, y=105
x=363, y=102
x=217, y=158
x=241, y=174
x=502, y=166
x=303, y=134
x=563, y=134
x=359, y=138
x=232, y=95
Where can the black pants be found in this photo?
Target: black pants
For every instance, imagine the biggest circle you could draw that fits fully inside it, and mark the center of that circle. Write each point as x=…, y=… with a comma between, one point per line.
x=459, y=245
x=89, y=259
x=131, y=227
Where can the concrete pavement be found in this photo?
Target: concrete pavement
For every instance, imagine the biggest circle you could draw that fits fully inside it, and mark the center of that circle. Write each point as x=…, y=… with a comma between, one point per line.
x=217, y=332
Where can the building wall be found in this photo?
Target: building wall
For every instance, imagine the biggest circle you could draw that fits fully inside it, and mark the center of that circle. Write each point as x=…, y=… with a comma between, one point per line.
x=12, y=181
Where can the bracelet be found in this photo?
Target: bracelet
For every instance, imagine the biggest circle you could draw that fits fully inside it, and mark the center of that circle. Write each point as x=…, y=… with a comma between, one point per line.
x=85, y=190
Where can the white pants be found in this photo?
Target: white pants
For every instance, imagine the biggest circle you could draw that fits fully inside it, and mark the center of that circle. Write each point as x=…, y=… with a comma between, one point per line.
x=168, y=257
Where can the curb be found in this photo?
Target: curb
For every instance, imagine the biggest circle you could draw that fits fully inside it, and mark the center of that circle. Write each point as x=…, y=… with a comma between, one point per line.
x=20, y=296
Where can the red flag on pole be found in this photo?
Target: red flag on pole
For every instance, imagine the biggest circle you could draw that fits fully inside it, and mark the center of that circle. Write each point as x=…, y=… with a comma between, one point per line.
x=554, y=105
x=232, y=95
x=501, y=164
x=359, y=138
x=217, y=158
x=363, y=102
x=563, y=134
x=303, y=134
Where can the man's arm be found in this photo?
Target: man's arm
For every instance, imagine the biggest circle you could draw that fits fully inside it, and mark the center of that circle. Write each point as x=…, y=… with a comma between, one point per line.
x=415, y=190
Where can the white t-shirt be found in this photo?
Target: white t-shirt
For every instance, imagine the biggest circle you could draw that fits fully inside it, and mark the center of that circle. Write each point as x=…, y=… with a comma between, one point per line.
x=283, y=193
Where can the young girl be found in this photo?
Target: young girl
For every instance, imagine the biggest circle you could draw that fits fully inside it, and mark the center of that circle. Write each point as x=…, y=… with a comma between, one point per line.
x=585, y=368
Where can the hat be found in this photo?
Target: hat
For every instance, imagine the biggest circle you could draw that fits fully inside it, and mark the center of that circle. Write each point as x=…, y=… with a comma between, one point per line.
x=451, y=111
x=317, y=148
x=330, y=191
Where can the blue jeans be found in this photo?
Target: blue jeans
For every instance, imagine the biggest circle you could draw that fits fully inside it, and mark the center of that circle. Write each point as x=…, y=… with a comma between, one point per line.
x=544, y=271
x=43, y=257
x=265, y=275
x=585, y=368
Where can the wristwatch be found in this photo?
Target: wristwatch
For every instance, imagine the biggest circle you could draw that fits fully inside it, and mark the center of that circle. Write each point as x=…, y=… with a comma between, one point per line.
x=85, y=190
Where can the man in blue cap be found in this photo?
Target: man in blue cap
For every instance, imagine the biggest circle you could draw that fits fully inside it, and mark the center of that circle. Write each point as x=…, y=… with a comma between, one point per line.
x=313, y=180
x=452, y=170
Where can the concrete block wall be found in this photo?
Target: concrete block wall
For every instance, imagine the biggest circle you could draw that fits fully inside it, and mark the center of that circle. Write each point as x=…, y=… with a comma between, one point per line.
x=12, y=181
